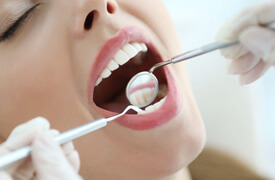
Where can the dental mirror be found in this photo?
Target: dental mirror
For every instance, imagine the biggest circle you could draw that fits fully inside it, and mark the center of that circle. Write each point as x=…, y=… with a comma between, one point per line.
x=142, y=89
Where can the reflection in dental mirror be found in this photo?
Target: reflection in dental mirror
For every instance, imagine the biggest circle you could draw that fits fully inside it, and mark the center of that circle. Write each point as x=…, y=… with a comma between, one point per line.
x=142, y=89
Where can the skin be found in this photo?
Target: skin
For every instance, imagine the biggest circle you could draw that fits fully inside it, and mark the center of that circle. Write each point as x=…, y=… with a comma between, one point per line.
x=45, y=70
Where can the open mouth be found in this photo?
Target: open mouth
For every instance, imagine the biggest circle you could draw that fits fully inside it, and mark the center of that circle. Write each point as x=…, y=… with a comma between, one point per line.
x=120, y=58
x=132, y=58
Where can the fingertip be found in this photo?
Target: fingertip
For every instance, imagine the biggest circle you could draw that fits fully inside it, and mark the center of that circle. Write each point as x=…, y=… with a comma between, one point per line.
x=254, y=74
x=258, y=40
x=54, y=132
x=225, y=33
x=40, y=122
x=242, y=81
x=24, y=134
x=234, y=52
x=231, y=70
x=243, y=64
x=74, y=160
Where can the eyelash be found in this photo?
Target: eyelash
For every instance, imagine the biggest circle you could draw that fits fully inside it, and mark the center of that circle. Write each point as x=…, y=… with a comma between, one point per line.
x=17, y=25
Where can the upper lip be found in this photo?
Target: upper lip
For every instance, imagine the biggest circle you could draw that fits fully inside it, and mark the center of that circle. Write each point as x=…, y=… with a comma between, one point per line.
x=107, y=52
x=128, y=35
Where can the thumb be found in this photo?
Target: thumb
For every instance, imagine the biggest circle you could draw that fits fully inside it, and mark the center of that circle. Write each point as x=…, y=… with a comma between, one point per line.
x=260, y=41
x=50, y=161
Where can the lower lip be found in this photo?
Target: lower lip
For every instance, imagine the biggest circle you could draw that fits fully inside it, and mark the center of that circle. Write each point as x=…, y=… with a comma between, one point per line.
x=154, y=119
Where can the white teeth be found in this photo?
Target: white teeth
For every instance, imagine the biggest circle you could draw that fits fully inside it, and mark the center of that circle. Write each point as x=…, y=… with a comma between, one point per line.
x=153, y=107
x=150, y=109
x=137, y=46
x=130, y=50
x=144, y=47
x=123, y=55
x=133, y=99
x=113, y=65
x=142, y=96
x=106, y=73
x=99, y=80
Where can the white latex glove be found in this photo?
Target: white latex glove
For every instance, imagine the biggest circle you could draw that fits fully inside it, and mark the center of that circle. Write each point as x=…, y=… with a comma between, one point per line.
x=48, y=161
x=256, y=52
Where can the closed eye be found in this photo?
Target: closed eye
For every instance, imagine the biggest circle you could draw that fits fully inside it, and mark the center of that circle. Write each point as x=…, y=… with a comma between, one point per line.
x=12, y=29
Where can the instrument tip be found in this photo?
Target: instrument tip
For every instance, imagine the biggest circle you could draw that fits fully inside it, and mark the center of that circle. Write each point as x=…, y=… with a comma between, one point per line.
x=131, y=107
x=135, y=108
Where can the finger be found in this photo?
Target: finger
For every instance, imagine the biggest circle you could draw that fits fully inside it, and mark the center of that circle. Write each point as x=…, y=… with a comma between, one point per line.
x=4, y=150
x=69, y=151
x=230, y=31
x=261, y=42
x=243, y=64
x=254, y=74
x=25, y=171
x=5, y=176
x=68, y=148
x=36, y=122
x=234, y=52
x=260, y=14
x=74, y=160
x=265, y=13
x=50, y=161
x=72, y=155
x=23, y=134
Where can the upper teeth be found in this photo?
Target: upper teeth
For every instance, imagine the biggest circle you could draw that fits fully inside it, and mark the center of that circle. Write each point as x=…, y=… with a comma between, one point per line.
x=123, y=55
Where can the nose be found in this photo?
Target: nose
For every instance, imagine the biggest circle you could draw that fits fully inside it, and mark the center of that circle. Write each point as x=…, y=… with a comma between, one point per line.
x=86, y=12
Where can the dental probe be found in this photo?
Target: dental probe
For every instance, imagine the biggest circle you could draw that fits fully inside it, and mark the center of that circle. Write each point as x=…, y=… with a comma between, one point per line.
x=66, y=136
x=200, y=51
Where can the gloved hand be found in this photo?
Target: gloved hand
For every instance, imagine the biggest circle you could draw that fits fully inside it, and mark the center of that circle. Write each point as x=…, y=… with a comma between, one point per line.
x=256, y=52
x=48, y=160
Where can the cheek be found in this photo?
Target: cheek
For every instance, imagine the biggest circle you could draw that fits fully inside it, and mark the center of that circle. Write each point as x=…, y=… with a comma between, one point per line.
x=36, y=81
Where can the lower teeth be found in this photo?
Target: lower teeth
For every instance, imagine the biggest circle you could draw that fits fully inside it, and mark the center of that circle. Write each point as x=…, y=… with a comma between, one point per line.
x=153, y=107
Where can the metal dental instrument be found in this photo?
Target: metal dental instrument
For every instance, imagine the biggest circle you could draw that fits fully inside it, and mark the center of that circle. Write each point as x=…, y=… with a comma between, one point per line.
x=146, y=82
x=66, y=136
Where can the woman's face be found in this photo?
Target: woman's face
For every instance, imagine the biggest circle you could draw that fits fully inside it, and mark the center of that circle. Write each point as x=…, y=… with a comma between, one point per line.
x=54, y=53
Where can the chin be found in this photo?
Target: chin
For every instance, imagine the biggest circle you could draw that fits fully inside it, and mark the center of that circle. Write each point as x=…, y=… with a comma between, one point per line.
x=177, y=143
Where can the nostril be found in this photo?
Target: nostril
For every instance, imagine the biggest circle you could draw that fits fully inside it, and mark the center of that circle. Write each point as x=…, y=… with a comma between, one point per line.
x=89, y=20
x=110, y=8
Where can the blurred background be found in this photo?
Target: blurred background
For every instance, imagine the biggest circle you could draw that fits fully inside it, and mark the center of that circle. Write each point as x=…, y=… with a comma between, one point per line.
x=239, y=120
